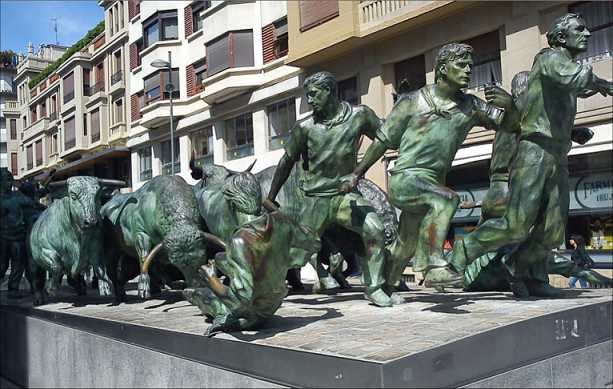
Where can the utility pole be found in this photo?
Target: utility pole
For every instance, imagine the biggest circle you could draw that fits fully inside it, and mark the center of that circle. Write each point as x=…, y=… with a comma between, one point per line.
x=55, y=29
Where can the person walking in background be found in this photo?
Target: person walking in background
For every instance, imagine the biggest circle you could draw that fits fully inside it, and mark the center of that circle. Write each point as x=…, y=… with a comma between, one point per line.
x=581, y=258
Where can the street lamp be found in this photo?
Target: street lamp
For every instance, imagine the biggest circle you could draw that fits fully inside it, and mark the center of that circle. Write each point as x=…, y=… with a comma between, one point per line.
x=161, y=64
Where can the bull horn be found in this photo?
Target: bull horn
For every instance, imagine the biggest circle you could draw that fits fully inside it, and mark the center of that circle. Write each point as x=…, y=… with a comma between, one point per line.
x=197, y=172
x=244, y=171
x=150, y=256
x=108, y=182
x=215, y=240
x=57, y=184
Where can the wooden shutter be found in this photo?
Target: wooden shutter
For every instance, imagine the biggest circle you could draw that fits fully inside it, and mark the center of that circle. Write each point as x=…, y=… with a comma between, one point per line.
x=135, y=106
x=190, y=80
x=313, y=13
x=268, y=43
x=189, y=23
x=133, y=55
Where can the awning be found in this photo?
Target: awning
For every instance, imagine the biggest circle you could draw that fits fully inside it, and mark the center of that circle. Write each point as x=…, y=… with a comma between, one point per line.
x=91, y=159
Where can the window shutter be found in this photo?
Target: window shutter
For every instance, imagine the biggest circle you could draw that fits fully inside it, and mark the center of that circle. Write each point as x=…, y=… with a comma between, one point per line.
x=191, y=80
x=135, y=107
x=189, y=25
x=313, y=13
x=133, y=55
x=133, y=8
x=268, y=42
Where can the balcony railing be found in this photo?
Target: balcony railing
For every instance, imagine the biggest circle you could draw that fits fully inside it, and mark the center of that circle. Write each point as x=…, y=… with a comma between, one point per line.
x=115, y=78
x=98, y=87
x=53, y=116
x=373, y=10
x=146, y=175
x=240, y=151
x=95, y=135
x=87, y=90
x=204, y=160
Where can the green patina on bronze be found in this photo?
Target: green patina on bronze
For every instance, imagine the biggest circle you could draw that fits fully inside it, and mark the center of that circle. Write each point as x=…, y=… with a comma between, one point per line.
x=537, y=205
x=162, y=215
x=427, y=127
x=327, y=145
x=16, y=213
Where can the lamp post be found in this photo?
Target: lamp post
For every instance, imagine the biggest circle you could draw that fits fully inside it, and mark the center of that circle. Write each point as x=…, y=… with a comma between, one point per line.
x=161, y=64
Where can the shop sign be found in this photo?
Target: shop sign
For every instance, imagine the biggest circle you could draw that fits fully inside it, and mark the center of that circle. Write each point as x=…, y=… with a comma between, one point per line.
x=592, y=191
x=470, y=195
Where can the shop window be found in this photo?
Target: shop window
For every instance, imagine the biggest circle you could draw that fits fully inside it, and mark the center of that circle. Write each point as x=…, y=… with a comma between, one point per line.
x=203, y=144
x=486, y=68
x=281, y=119
x=347, y=90
x=314, y=13
x=29, y=157
x=166, y=159
x=39, y=152
x=156, y=84
x=239, y=137
x=69, y=134
x=160, y=27
x=144, y=164
x=598, y=16
x=68, y=87
x=234, y=49
x=411, y=72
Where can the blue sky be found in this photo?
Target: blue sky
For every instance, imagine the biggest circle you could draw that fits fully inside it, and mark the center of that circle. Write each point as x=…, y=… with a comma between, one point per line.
x=22, y=21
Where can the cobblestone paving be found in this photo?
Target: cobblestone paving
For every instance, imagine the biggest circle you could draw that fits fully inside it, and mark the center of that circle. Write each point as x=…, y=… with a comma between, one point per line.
x=343, y=324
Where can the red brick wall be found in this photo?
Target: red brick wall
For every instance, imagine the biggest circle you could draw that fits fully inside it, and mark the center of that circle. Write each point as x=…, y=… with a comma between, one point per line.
x=268, y=43
x=189, y=25
x=191, y=80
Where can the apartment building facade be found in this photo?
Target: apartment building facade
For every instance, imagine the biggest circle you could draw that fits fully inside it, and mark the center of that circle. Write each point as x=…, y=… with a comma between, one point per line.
x=9, y=115
x=74, y=120
x=371, y=45
x=234, y=99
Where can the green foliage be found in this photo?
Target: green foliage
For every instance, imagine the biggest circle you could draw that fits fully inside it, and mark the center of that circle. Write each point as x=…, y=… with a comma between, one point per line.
x=83, y=42
x=6, y=58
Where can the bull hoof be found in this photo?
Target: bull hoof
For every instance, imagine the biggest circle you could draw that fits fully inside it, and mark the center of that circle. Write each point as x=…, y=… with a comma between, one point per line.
x=324, y=284
x=379, y=298
x=39, y=299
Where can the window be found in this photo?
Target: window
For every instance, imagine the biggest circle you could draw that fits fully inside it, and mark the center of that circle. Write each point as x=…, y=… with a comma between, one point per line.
x=85, y=124
x=69, y=134
x=347, y=90
x=39, y=152
x=314, y=13
x=160, y=27
x=86, y=83
x=197, y=20
x=13, y=128
x=117, y=73
x=234, y=49
x=413, y=70
x=281, y=38
x=200, y=73
x=43, y=110
x=95, y=119
x=486, y=60
x=155, y=85
x=53, y=108
x=144, y=164
x=281, y=119
x=239, y=137
x=118, y=111
x=14, y=169
x=599, y=19
x=54, y=144
x=68, y=85
x=165, y=157
x=33, y=115
x=25, y=123
x=202, y=146
x=99, y=75
x=29, y=157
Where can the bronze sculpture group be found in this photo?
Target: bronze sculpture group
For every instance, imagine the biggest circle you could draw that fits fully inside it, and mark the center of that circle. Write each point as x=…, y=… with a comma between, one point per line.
x=233, y=249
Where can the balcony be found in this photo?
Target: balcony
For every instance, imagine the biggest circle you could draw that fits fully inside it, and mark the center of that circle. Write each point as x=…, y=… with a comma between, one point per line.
x=36, y=128
x=117, y=131
x=68, y=97
x=230, y=83
x=53, y=116
x=167, y=166
x=11, y=107
x=117, y=83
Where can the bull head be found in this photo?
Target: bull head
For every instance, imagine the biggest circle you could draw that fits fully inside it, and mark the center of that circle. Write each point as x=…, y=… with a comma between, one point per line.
x=244, y=194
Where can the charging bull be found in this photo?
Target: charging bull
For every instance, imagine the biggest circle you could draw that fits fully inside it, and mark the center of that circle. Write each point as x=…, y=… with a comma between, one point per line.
x=67, y=238
x=160, y=218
